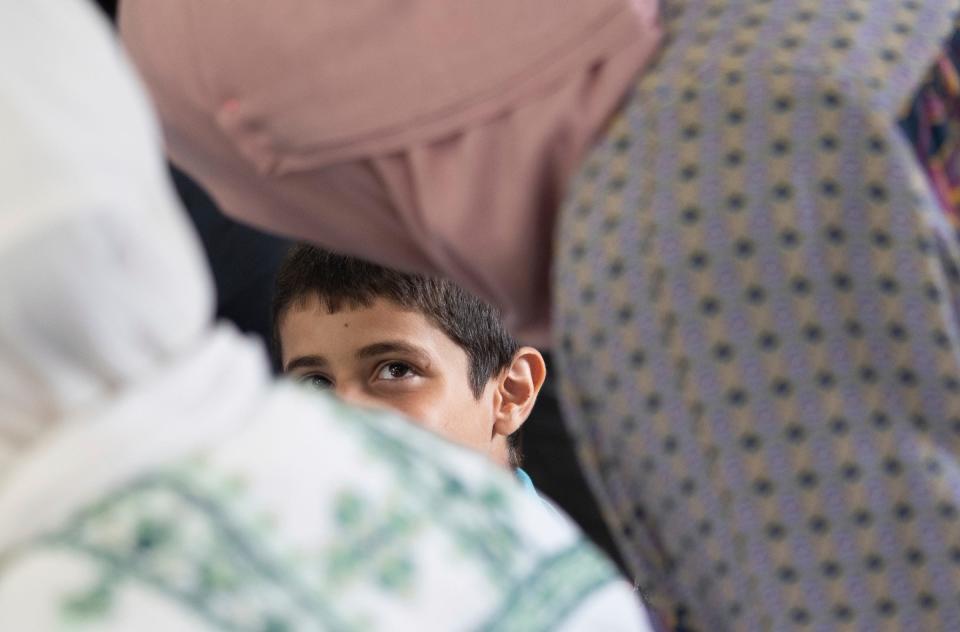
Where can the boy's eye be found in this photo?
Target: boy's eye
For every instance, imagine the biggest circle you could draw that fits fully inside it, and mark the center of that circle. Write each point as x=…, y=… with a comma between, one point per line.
x=317, y=382
x=395, y=371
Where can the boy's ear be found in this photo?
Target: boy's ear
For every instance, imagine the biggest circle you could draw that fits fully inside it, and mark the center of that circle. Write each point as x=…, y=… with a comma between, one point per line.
x=517, y=389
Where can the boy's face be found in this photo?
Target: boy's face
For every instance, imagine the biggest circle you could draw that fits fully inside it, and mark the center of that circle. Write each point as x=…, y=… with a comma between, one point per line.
x=386, y=357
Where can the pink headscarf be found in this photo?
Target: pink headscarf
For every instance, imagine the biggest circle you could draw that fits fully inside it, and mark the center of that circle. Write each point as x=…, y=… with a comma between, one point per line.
x=430, y=135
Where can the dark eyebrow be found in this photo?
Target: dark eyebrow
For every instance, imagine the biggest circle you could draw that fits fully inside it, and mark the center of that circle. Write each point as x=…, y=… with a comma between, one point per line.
x=392, y=346
x=307, y=362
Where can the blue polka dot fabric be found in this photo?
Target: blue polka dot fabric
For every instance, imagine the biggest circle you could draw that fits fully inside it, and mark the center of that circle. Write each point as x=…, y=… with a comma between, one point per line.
x=756, y=297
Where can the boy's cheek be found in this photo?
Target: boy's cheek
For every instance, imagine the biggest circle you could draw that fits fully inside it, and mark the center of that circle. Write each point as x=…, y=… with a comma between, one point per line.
x=450, y=422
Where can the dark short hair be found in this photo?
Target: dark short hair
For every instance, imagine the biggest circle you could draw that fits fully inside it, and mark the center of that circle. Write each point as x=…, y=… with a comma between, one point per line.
x=342, y=282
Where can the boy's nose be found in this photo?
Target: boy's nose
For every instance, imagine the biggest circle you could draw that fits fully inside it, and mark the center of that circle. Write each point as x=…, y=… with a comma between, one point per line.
x=357, y=396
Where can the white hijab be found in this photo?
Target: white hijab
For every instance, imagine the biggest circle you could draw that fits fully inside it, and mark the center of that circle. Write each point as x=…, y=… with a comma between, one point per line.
x=105, y=299
x=99, y=278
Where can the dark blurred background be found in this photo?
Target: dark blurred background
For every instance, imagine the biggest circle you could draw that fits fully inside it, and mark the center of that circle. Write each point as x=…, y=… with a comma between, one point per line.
x=244, y=262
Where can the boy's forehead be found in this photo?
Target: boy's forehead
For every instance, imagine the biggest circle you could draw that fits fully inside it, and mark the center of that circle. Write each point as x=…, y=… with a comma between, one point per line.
x=377, y=314
x=310, y=327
